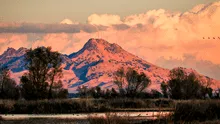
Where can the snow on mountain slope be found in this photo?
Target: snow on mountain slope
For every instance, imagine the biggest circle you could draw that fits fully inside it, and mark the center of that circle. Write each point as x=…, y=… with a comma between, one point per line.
x=93, y=65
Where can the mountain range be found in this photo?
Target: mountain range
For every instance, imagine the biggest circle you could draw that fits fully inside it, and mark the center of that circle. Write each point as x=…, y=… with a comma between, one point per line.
x=94, y=65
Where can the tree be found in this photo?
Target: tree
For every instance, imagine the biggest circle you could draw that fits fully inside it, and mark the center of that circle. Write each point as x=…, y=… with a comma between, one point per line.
x=45, y=71
x=56, y=91
x=114, y=93
x=191, y=87
x=107, y=94
x=9, y=89
x=55, y=72
x=155, y=94
x=164, y=89
x=135, y=82
x=83, y=91
x=4, y=73
x=218, y=93
x=98, y=92
x=206, y=89
x=182, y=85
x=119, y=78
x=95, y=92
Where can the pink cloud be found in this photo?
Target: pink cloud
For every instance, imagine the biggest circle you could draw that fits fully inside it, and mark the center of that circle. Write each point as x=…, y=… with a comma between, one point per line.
x=149, y=35
x=105, y=19
x=13, y=40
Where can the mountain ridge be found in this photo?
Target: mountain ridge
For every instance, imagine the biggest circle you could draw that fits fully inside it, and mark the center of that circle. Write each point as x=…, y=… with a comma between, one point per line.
x=93, y=65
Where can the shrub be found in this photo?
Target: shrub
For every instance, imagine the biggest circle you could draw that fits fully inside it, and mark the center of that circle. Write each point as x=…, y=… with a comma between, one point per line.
x=197, y=110
x=64, y=106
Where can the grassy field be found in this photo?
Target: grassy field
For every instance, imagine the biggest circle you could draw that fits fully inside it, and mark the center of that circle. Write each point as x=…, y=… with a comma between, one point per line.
x=185, y=111
x=200, y=110
x=82, y=106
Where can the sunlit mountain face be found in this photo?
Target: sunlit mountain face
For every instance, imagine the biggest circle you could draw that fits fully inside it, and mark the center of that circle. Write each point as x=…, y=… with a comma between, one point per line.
x=95, y=65
x=96, y=39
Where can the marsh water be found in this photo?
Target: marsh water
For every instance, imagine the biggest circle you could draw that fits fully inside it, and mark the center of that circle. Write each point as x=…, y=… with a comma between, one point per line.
x=145, y=115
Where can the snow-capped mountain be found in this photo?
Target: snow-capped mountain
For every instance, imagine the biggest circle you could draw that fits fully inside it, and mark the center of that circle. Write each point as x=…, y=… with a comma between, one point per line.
x=93, y=65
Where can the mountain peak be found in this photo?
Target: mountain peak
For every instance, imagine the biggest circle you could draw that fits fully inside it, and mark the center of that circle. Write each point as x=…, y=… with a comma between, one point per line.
x=95, y=65
x=21, y=51
x=101, y=44
x=96, y=42
x=11, y=50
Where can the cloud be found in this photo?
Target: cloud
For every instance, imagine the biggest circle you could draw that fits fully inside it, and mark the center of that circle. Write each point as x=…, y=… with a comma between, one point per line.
x=148, y=35
x=67, y=21
x=13, y=40
x=197, y=8
x=47, y=28
x=104, y=19
x=190, y=61
x=159, y=47
x=121, y=26
x=62, y=42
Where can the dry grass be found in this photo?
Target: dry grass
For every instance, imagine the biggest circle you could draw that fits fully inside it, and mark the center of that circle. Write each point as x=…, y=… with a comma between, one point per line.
x=66, y=106
x=184, y=110
x=197, y=110
x=44, y=121
x=109, y=118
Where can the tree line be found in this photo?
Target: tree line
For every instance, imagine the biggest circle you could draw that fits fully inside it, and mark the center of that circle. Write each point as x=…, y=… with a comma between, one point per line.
x=187, y=86
x=132, y=84
x=42, y=81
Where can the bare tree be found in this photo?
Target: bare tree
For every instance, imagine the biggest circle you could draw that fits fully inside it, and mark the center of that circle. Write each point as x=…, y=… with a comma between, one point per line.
x=45, y=71
x=133, y=81
x=119, y=78
x=55, y=72
x=183, y=86
x=9, y=88
x=137, y=82
x=4, y=75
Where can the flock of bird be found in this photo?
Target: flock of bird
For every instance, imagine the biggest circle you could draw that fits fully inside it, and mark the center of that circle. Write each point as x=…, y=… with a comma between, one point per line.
x=212, y=38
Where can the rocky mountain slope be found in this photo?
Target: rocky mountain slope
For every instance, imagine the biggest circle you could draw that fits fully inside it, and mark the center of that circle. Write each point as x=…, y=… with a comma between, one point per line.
x=93, y=65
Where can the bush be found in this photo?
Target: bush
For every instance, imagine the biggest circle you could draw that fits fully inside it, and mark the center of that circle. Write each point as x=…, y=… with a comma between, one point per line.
x=6, y=106
x=65, y=106
x=197, y=110
x=186, y=86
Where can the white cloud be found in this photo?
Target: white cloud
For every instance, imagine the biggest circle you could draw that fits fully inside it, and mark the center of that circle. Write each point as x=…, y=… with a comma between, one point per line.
x=13, y=40
x=105, y=19
x=69, y=22
x=66, y=21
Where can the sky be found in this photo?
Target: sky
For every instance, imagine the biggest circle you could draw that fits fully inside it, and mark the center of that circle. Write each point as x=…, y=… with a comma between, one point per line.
x=53, y=11
x=168, y=33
